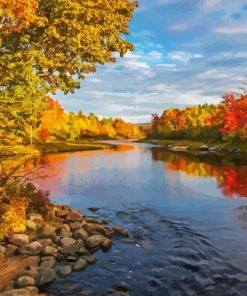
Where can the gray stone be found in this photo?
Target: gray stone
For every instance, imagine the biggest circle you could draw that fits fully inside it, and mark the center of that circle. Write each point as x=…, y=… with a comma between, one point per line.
x=25, y=281
x=80, y=234
x=80, y=264
x=49, y=250
x=70, y=249
x=18, y=239
x=66, y=242
x=33, y=248
x=65, y=270
x=45, y=276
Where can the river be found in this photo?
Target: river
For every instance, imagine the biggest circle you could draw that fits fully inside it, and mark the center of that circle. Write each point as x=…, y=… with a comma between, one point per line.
x=186, y=217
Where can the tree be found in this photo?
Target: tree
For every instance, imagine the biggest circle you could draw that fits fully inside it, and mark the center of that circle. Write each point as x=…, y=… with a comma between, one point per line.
x=62, y=40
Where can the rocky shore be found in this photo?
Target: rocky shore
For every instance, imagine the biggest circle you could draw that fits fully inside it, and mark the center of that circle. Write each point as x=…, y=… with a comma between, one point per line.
x=51, y=248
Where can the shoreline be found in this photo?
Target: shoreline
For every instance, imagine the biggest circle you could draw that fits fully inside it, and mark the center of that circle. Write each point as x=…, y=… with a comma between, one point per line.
x=65, y=239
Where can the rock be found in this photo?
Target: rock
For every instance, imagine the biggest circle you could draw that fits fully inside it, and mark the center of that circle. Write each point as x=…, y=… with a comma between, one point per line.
x=84, y=251
x=203, y=148
x=65, y=270
x=10, y=250
x=106, y=245
x=10, y=285
x=25, y=281
x=70, y=249
x=33, y=248
x=93, y=209
x=37, y=218
x=75, y=226
x=91, y=220
x=214, y=148
x=2, y=250
x=45, y=276
x=80, y=234
x=18, y=239
x=74, y=216
x=72, y=257
x=31, y=271
x=66, y=242
x=89, y=259
x=80, y=264
x=65, y=226
x=48, y=263
x=47, y=230
x=29, y=291
x=45, y=242
x=95, y=240
x=62, y=213
x=62, y=232
x=48, y=250
x=80, y=243
x=118, y=230
x=31, y=225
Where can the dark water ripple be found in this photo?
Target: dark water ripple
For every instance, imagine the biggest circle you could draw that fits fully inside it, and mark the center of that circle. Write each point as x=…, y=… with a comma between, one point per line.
x=162, y=257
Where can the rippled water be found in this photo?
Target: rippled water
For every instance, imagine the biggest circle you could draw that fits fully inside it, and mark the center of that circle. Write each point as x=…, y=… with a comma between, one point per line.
x=187, y=222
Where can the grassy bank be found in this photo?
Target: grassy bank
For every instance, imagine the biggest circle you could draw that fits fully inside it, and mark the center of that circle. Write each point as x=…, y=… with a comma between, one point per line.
x=60, y=147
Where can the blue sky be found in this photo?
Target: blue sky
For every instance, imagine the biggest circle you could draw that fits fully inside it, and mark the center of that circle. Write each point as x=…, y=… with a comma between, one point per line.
x=186, y=52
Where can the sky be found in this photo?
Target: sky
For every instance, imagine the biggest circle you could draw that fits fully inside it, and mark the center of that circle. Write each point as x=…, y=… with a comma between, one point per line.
x=186, y=52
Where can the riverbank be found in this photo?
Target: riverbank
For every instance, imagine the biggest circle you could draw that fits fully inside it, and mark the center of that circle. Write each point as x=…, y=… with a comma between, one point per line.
x=54, y=147
x=52, y=247
x=196, y=146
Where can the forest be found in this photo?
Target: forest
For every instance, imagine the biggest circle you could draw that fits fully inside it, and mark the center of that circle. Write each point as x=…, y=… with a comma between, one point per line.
x=224, y=122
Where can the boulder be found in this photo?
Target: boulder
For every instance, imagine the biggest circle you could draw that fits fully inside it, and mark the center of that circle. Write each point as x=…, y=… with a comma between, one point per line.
x=84, y=251
x=62, y=232
x=25, y=281
x=72, y=258
x=34, y=248
x=65, y=226
x=70, y=249
x=118, y=230
x=49, y=250
x=74, y=216
x=47, y=231
x=65, y=270
x=62, y=213
x=48, y=263
x=67, y=241
x=31, y=271
x=95, y=240
x=80, y=234
x=80, y=264
x=75, y=226
x=106, y=245
x=45, y=276
x=18, y=239
x=45, y=242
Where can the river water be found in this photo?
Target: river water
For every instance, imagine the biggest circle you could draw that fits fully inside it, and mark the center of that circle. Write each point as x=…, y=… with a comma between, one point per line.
x=186, y=217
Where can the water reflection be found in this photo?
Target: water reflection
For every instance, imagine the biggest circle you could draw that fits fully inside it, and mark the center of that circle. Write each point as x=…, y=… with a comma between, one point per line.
x=232, y=179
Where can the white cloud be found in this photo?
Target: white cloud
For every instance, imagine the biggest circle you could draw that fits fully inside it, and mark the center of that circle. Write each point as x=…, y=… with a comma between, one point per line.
x=212, y=4
x=231, y=30
x=183, y=56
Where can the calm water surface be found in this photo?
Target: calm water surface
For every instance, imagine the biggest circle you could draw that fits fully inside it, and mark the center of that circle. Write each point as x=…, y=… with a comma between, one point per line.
x=186, y=216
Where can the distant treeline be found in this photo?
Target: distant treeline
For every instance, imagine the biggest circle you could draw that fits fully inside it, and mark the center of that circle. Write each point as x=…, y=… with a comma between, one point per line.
x=225, y=121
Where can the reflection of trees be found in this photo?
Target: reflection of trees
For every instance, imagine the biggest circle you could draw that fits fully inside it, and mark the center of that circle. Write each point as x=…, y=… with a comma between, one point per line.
x=231, y=178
